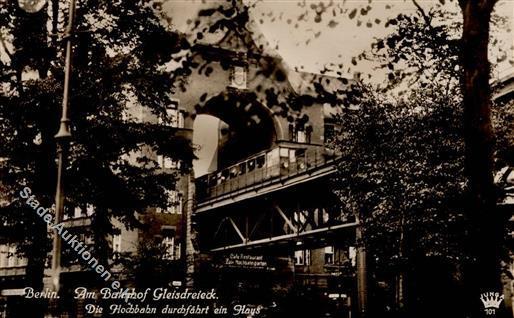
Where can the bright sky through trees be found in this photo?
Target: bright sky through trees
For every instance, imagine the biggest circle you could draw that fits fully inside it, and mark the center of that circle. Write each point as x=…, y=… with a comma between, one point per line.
x=308, y=49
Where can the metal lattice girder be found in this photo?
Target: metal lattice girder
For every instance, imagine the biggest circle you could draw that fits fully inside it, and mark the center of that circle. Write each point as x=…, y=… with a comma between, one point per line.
x=286, y=219
x=280, y=217
x=243, y=230
x=286, y=237
x=238, y=231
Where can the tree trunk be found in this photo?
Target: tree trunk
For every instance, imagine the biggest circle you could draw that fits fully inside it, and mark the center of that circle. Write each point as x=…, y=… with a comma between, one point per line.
x=482, y=273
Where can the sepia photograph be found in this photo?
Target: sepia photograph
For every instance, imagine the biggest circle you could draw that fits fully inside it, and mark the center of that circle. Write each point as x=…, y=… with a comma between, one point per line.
x=257, y=158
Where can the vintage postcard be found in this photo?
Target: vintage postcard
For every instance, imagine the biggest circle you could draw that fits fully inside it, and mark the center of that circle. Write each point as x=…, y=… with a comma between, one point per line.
x=256, y=158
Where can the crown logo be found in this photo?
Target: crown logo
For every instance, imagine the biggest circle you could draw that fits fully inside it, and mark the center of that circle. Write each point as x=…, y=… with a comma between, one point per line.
x=491, y=300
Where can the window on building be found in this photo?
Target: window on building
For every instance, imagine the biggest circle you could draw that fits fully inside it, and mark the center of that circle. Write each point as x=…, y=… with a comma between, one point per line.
x=174, y=116
x=238, y=77
x=300, y=136
x=261, y=161
x=116, y=244
x=308, y=134
x=242, y=168
x=90, y=209
x=251, y=165
x=170, y=247
x=78, y=213
x=69, y=212
x=87, y=238
x=225, y=174
x=329, y=255
x=302, y=257
x=234, y=171
x=12, y=260
x=329, y=133
x=168, y=163
x=9, y=256
x=301, y=159
x=352, y=255
x=212, y=180
x=300, y=133
x=174, y=203
x=3, y=255
x=299, y=257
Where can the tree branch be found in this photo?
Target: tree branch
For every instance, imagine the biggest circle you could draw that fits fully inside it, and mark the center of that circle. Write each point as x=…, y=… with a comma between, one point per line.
x=427, y=19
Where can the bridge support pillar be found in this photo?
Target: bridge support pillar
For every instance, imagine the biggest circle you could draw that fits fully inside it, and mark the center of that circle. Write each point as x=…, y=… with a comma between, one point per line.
x=362, y=281
x=189, y=231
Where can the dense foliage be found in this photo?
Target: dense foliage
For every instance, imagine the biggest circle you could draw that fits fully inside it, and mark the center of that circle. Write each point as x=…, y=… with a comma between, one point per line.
x=118, y=64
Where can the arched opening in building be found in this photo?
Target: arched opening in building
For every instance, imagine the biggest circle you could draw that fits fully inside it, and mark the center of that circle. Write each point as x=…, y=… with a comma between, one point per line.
x=206, y=138
x=229, y=128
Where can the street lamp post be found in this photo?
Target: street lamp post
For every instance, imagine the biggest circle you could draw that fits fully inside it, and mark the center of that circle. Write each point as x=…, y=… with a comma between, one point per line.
x=62, y=137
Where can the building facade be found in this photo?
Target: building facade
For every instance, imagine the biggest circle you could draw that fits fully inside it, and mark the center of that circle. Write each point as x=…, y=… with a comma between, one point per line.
x=265, y=212
x=262, y=226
